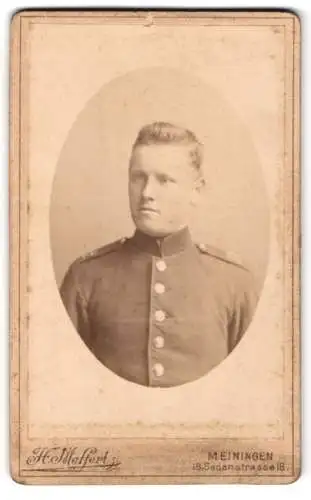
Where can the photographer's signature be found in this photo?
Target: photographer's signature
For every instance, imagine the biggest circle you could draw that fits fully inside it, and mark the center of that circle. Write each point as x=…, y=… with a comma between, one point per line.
x=71, y=458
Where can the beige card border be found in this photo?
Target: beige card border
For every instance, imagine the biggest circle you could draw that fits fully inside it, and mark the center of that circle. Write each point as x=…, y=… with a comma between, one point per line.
x=18, y=245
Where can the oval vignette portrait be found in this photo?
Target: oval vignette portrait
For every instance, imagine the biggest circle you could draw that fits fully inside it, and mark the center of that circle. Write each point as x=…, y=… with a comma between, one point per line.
x=159, y=227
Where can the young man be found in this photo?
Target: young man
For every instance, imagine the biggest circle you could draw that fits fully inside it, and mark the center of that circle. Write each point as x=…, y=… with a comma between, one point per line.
x=156, y=308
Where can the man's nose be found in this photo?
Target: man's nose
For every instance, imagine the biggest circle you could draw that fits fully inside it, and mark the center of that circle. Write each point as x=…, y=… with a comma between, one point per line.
x=149, y=189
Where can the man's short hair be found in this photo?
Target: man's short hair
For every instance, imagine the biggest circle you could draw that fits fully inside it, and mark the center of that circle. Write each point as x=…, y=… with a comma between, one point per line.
x=168, y=133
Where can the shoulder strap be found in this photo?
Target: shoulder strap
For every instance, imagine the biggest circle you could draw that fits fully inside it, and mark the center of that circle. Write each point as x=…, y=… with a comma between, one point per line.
x=220, y=254
x=106, y=249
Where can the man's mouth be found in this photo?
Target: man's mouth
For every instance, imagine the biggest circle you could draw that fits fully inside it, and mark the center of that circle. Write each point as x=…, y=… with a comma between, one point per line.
x=147, y=209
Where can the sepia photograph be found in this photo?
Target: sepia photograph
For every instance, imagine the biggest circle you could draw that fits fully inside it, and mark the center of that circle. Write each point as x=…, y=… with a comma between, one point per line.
x=155, y=247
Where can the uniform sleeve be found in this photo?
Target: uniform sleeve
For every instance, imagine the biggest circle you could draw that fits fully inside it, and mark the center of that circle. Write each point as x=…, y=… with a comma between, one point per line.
x=74, y=301
x=244, y=305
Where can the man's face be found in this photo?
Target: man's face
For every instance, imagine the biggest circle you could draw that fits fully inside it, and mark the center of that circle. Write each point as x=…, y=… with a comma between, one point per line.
x=162, y=188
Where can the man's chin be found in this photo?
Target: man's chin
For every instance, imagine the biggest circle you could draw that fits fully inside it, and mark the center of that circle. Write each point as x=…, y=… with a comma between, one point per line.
x=152, y=229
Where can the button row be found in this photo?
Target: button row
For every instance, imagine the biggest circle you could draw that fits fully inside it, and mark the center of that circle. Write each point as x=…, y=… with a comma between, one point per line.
x=158, y=341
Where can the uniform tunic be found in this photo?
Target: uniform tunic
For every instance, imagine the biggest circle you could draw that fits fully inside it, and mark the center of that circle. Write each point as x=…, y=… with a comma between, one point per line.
x=159, y=313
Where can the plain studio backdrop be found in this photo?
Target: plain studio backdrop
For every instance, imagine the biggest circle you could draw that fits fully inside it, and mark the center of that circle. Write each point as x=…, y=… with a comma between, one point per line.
x=89, y=203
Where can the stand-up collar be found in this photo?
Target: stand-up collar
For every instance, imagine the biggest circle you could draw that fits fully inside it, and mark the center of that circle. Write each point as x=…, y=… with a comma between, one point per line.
x=163, y=247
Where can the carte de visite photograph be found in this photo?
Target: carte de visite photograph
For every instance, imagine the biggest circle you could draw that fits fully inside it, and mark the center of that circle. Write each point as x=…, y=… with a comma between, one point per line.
x=154, y=222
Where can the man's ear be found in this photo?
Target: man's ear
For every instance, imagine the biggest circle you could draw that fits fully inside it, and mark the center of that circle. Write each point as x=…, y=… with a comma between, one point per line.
x=199, y=184
x=197, y=190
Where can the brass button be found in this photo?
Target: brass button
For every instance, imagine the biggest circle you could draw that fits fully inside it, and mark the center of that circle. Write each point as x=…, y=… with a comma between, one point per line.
x=160, y=265
x=158, y=369
x=159, y=315
x=158, y=342
x=159, y=288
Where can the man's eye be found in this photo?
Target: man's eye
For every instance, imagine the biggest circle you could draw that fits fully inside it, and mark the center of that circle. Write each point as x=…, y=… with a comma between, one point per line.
x=165, y=180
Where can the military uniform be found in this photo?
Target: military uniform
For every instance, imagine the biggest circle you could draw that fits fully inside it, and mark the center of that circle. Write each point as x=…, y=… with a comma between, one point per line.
x=159, y=314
